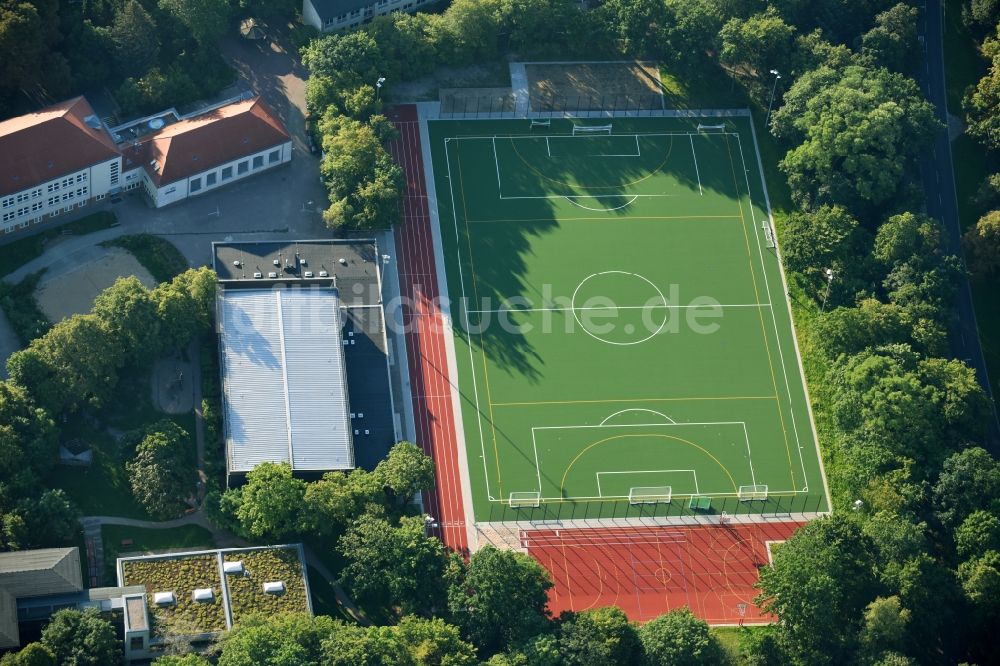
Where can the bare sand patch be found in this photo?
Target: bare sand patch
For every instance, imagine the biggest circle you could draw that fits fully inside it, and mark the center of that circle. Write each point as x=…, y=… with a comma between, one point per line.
x=598, y=86
x=62, y=293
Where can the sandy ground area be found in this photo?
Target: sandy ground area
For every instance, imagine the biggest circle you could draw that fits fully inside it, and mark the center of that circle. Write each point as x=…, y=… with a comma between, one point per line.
x=64, y=293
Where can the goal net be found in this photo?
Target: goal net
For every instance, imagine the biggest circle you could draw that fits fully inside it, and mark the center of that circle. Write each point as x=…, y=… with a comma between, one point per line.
x=591, y=129
x=650, y=495
x=526, y=500
x=712, y=128
x=546, y=122
x=751, y=493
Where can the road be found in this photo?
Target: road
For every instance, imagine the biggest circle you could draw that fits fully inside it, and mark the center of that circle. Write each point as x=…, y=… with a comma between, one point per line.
x=942, y=203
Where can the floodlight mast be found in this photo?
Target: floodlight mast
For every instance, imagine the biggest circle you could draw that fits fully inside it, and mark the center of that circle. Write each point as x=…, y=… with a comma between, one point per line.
x=378, y=86
x=828, y=273
x=771, y=103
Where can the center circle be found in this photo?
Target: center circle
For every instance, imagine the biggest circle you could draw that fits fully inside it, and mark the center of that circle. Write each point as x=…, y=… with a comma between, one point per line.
x=621, y=296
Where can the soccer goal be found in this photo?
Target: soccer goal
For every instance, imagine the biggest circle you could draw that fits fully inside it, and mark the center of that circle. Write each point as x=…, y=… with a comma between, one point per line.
x=524, y=500
x=591, y=129
x=650, y=495
x=544, y=122
x=712, y=128
x=752, y=493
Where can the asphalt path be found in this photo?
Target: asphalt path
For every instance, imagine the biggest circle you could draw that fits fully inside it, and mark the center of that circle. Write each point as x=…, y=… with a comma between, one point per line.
x=942, y=203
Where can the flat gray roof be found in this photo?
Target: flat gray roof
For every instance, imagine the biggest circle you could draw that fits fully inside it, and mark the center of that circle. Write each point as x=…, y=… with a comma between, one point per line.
x=284, y=382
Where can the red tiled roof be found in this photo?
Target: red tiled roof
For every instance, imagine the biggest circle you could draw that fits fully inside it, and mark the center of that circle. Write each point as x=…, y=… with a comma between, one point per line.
x=191, y=146
x=44, y=145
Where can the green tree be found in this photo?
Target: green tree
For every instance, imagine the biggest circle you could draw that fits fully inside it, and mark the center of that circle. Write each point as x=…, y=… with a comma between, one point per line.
x=349, y=60
x=827, y=238
x=336, y=499
x=363, y=182
x=162, y=474
x=885, y=626
x=853, y=330
x=678, y=637
x=638, y=24
x=74, y=364
x=693, y=30
x=82, y=638
x=982, y=245
x=28, y=435
x=980, y=578
x=32, y=654
x=859, y=131
x=206, y=19
x=406, y=471
x=897, y=539
x=22, y=33
x=128, y=311
x=186, y=306
x=365, y=646
x=822, y=577
x=434, y=642
x=50, y=517
x=394, y=567
x=969, y=481
x=753, y=46
x=981, y=103
x=135, y=39
x=290, y=639
x=499, y=599
x=271, y=502
x=893, y=40
x=472, y=29
x=978, y=533
x=598, y=637
x=931, y=592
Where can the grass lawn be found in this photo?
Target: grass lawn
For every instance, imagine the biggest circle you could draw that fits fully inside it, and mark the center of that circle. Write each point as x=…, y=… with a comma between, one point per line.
x=21, y=307
x=159, y=256
x=729, y=638
x=103, y=488
x=145, y=541
x=546, y=231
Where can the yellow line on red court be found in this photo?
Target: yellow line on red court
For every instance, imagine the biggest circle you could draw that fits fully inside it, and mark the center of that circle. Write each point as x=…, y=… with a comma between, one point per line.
x=581, y=402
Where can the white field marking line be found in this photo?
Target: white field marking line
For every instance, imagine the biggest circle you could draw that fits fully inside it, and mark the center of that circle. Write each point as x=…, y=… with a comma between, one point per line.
x=694, y=474
x=774, y=319
x=602, y=210
x=592, y=498
x=696, y=172
x=538, y=467
x=636, y=409
x=583, y=540
x=465, y=314
x=626, y=307
x=496, y=160
x=591, y=196
x=746, y=436
x=548, y=148
x=571, y=136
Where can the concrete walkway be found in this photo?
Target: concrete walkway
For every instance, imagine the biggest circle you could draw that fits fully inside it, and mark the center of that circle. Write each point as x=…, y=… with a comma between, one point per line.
x=222, y=538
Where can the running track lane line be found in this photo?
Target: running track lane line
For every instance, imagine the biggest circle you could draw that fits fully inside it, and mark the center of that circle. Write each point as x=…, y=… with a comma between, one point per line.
x=424, y=334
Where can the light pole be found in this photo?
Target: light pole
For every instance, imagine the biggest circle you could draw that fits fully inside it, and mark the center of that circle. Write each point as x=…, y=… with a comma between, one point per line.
x=829, y=282
x=378, y=86
x=381, y=284
x=771, y=103
x=429, y=524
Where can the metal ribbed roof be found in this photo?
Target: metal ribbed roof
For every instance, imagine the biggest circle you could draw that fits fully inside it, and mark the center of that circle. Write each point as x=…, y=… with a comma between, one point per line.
x=284, y=381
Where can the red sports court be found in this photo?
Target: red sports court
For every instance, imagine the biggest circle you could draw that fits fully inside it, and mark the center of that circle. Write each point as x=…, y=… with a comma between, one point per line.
x=647, y=571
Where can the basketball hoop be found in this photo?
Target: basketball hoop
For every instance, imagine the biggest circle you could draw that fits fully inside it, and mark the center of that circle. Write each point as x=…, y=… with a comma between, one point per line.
x=741, y=608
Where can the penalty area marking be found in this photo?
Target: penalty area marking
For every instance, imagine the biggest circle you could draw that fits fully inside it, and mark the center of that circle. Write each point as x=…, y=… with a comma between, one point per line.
x=601, y=210
x=600, y=493
x=637, y=409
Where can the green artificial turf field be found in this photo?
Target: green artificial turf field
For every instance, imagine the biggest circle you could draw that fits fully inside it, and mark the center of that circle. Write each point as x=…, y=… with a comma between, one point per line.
x=623, y=340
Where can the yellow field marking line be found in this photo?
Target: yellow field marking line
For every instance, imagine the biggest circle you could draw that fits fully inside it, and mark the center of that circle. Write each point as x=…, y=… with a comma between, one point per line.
x=562, y=484
x=760, y=313
x=482, y=344
x=652, y=173
x=623, y=218
x=611, y=400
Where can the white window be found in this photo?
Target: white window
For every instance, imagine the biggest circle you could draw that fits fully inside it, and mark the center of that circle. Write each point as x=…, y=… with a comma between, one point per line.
x=37, y=206
x=241, y=168
x=258, y=161
x=114, y=173
x=210, y=179
x=22, y=211
x=23, y=225
x=36, y=193
x=7, y=217
x=81, y=191
x=8, y=202
x=227, y=173
x=66, y=195
x=53, y=201
x=274, y=156
x=195, y=184
x=66, y=182
x=80, y=177
x=99, y=197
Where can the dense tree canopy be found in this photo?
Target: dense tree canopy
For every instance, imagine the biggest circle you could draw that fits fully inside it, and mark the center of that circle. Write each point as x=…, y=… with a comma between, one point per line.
x=678, y=637
x=82, y=639
x=860, y=129
x=162, y=474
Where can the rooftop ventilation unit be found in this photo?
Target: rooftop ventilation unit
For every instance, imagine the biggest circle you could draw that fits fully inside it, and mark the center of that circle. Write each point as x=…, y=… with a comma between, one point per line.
x=272, y=275
x=232, y=567
x=276, y=262
x=308, y=274
x=257, y=275
x=237, y=263
x=164, y=598
x=324, y=274
x=203, y=594
x=275, y=587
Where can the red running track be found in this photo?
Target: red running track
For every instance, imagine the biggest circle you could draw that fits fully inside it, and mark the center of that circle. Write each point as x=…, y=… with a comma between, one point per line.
x=425, y=342
x=650, y=570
